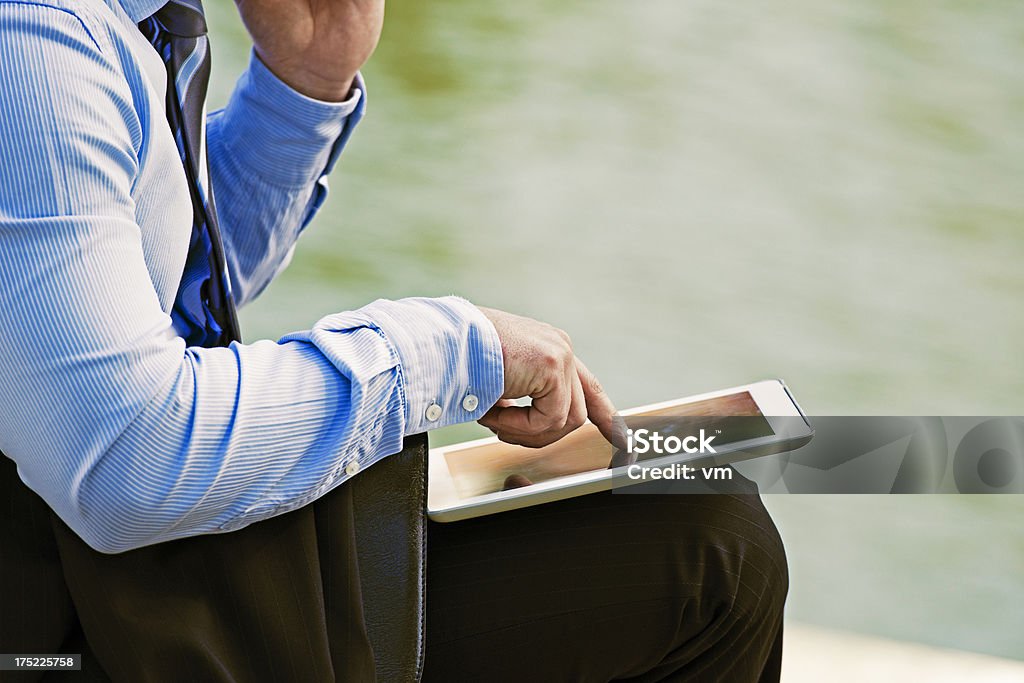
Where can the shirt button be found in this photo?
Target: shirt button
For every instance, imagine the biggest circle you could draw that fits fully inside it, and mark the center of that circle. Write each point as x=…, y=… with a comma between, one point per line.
x=470, y=403
x=434, y=412
x=352, y=467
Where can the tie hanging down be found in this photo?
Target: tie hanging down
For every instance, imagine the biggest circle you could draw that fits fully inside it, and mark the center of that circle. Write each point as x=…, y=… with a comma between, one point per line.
x=204, y=305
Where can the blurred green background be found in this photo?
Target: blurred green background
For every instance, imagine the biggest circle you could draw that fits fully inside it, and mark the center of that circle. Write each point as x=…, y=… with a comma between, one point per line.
x=705, y=194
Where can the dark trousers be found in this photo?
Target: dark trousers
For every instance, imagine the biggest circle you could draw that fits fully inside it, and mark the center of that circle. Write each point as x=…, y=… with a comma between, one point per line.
x=686, y=587
x=602, y=587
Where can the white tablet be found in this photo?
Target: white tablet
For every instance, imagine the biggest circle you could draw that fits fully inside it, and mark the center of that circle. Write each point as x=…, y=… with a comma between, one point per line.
x=487, y=476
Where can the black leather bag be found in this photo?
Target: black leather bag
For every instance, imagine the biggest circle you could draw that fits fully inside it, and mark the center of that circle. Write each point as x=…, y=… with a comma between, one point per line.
x=391, y=533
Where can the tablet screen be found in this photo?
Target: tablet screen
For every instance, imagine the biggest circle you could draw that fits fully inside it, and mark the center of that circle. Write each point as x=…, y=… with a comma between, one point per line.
x=497, y=466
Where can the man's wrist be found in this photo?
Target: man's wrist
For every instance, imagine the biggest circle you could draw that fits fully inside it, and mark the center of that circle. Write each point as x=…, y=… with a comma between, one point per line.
x=451, y=359
x=309, y=83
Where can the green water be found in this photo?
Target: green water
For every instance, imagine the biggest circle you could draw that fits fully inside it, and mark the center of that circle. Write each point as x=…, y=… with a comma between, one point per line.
x=704, y=194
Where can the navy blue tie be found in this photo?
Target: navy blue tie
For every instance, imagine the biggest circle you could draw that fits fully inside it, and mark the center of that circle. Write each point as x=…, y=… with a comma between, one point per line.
x=204, y=309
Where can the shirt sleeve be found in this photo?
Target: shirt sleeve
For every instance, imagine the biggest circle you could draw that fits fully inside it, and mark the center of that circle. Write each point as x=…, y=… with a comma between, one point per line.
x=128, y=435
x=270, y=151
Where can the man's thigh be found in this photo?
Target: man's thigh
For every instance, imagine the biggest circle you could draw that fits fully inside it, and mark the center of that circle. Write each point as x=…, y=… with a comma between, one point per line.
x=608, y=586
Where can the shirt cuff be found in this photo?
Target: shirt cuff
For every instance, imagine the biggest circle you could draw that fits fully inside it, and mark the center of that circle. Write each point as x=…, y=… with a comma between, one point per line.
x=449, y=357
x=285, y=137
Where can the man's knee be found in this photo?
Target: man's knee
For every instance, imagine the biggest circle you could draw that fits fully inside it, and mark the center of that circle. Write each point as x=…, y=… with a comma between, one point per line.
x=744, y=561
x=743, y=595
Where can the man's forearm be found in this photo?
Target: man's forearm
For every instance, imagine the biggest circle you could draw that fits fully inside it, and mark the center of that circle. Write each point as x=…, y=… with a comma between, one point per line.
x=236, y=435
x=270, y=151
x=272, y=148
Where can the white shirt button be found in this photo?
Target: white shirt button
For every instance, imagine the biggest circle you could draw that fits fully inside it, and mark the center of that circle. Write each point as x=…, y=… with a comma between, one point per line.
x=352, y=467
x=470, y=403
x=434, y=412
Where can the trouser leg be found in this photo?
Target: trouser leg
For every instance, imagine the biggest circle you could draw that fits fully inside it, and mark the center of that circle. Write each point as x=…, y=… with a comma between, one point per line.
x=608, y=587
x=36, y=612
x=277, y=601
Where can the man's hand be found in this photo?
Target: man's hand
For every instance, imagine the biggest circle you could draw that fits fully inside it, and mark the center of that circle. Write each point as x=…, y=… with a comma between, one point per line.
x=315, y=46
x=540, y=363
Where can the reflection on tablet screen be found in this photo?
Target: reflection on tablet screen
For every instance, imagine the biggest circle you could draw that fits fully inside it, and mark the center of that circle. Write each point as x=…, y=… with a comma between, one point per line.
x=496, y=467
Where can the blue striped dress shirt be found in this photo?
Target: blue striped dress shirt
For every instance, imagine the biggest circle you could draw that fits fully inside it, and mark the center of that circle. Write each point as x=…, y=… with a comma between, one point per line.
x=132, y=437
